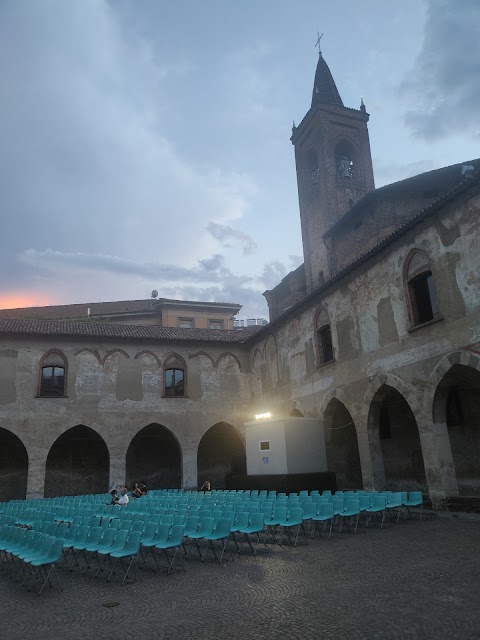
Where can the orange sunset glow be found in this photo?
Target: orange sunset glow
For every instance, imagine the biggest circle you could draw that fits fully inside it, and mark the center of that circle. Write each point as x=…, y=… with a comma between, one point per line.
x=17, y=300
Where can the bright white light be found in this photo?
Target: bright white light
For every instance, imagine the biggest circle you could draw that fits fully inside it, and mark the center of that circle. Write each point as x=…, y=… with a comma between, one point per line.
x=262, y=416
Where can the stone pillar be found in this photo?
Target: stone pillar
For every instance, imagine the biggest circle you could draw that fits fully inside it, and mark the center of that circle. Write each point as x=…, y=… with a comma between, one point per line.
x=438, y=462
x=189, y=467
x=37, y=460
x=118, y=464
x=368, y=476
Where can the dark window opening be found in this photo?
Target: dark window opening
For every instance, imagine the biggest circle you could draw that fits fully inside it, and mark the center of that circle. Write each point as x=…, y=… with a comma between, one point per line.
x=174, y=383
x=325, y=347
x=52, y=384
x=344, y=160
x=423, y=297
x=454, y=409
x=384, y=424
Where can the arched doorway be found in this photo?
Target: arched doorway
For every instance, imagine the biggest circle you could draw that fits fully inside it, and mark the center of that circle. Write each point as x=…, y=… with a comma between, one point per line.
x=77, y=463
x=13, y=467
x=221, y=455
x=341, y=444
x=456, y=405
x=154, y=457
x=392, y=423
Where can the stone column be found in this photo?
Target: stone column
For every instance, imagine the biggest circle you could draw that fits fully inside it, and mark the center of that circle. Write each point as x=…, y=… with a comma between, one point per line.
x=37, y=460
x=437, y=460
x=368, y=476
x=189, y=467
x=118, y=465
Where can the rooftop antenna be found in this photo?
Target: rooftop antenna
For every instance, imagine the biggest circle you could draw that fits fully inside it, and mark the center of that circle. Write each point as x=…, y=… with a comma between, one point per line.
x=319, y=43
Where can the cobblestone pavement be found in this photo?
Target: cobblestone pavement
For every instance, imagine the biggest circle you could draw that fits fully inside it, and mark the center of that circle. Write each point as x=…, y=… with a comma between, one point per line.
x=408, y=581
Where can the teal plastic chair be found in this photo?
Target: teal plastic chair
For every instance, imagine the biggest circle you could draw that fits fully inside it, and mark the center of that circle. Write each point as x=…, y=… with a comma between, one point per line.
x=279, y=516
x=131, y=551
x=118, y=544
x=45, y=566
x=93, y=538
x=173, y=544
x=379, y=504
x=205, y=529
x=325, y=513
x=351, y=512
x=394, y=504
x=253, y=529
x=415, y=499
x=220, y=534
x=293, y=519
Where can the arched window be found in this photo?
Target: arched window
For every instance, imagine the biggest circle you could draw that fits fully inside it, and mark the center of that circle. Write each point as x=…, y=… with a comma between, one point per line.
x=175, y=377
x=53, y=375
x=420, y=289
x=344, y=160
x=323, y=335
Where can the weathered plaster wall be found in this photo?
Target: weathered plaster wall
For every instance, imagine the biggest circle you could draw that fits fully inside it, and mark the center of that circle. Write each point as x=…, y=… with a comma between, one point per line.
x=374, y=345
x=117, y=389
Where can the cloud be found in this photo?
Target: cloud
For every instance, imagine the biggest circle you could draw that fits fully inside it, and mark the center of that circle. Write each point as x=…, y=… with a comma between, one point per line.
x=88, y=168
x=272, y=273
x=444, y=81
x=226, y=235
x=207, y=270
x=210, y=279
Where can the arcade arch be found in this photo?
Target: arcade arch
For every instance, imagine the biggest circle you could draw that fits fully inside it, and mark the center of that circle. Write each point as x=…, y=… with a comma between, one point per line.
x=155, y=458
x=13, y=467
x=392, y=425
x=78, y=463
x=221, y=454
x=341, y=442
x=456, y=407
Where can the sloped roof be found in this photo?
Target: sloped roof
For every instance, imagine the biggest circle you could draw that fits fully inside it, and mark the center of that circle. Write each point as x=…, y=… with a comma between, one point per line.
x=97, y=330
x=411, y=194
x=324, y=88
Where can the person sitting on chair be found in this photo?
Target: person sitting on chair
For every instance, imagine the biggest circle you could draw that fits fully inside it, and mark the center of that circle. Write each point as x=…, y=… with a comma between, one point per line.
x=114, y=495
x=206, y=486
x=137, y=491
x=123, y=501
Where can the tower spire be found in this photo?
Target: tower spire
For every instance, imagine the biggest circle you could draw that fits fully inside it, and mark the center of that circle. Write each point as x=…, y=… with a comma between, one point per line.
x=324, y=88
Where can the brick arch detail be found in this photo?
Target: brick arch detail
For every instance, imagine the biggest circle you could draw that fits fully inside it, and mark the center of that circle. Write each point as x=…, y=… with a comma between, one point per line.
x=465, y=357
x=335, y=394
x=94, y=353
x=225, y=354
x=146, y=352
x=112, y=352
x=198, y=354
x=399, y=385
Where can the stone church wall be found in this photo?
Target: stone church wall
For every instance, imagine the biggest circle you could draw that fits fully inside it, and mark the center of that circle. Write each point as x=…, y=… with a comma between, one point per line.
x=375, y=348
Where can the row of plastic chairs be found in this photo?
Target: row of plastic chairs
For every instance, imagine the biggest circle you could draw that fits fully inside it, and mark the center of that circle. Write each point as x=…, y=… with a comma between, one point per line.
x=35, y=553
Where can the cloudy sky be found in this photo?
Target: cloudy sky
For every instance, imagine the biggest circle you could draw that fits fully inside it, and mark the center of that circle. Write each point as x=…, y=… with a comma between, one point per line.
x=145, y=143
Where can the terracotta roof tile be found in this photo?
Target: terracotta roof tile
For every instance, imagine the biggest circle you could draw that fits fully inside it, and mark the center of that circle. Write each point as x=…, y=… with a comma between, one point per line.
x=96, y=330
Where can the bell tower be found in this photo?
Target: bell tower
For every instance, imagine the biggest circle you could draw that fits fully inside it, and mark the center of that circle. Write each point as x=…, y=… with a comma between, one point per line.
x=334, y=169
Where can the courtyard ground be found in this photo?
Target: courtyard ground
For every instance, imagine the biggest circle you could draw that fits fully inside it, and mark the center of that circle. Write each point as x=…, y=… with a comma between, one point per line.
x=407, y=581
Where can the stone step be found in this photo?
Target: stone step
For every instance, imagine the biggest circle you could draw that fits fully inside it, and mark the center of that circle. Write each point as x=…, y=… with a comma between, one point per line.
x=466, y=504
